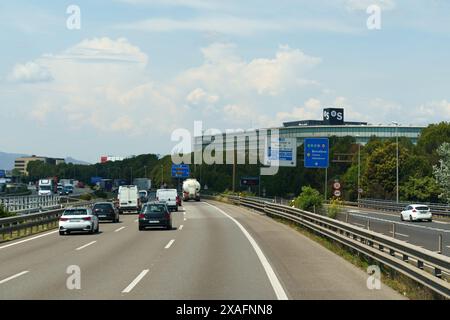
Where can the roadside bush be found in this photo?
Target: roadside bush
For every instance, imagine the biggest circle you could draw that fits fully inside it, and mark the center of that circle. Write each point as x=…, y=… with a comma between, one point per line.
x=309, y=199
x=86, y=197
x=334, y=208
x=4, y=213
x=100, y=194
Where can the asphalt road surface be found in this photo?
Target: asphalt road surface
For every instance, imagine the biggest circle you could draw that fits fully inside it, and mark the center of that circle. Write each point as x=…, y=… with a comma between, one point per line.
x=215, y=251
x=423, y=234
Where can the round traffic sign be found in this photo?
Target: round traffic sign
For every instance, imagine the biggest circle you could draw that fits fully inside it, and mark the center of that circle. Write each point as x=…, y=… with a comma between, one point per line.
x=336, y=185
x=337, y=193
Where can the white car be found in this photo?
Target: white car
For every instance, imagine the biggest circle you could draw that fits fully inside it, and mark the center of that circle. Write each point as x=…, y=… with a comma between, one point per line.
x=415, y=212
x=78, y=219
x=169, y=196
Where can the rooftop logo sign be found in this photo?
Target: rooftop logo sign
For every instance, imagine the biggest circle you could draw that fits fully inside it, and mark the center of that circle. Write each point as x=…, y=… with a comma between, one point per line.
x=333, y=116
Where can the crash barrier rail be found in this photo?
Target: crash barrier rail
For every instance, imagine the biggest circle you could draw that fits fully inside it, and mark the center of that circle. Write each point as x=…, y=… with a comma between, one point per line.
x=386, y=205
x=20, y=226
x=22, y=204
x=423, y=266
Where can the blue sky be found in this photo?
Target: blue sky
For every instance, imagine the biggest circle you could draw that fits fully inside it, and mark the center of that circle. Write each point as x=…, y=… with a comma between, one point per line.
x=139, y=69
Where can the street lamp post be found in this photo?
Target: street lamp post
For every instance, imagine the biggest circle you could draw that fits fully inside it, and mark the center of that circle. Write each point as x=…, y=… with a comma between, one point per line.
x=397, y=173
x=359, y=171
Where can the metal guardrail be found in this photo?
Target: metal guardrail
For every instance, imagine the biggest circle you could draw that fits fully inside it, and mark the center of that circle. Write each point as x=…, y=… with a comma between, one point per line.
x=28, y=203
x=421, y=265
x=48, y=219
x=386, y=205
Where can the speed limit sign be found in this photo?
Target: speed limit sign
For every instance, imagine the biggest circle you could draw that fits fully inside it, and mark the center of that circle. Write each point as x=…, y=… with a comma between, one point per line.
x=337, y=185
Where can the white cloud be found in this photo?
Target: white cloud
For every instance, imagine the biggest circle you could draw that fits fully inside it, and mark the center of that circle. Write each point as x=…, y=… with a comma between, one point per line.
x=237, y=26
x=226, y=74
x=197, y=4
x=30, y=72
x=199, y=96
x=354, y=5
x=103, y=50
x=312, y=109
x=438, y=110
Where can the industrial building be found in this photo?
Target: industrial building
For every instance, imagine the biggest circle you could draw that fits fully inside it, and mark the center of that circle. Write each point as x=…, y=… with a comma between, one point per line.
x=21, y=164
x=332, y=124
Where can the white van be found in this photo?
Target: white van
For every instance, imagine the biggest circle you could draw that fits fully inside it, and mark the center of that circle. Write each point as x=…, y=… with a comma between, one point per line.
x=129, y=199
x=169, y=196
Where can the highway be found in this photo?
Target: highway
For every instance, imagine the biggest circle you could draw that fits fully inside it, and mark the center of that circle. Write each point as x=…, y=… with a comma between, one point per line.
x=216, y=251
x=423, y=234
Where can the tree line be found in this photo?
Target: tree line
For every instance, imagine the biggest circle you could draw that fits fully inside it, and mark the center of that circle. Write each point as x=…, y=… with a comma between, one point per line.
x=422, y=170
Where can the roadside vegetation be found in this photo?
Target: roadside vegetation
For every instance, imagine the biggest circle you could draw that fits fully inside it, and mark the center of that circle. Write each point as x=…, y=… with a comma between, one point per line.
x=423, y=170
x=4, y=213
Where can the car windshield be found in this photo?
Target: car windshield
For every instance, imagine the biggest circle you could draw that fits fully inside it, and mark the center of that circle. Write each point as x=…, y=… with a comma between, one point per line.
x=76, y=212
x=423, y=208
x=154, y=208
x=142, y=194
x=103, y=206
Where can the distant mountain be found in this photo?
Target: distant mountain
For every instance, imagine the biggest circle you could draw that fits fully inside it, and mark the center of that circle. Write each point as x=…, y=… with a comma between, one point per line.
x=75, y=161
x=7, y=160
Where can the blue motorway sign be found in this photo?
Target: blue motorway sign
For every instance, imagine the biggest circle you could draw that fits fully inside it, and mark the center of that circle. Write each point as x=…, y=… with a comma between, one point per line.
x=317, y=153
x=2, y=173
x=180, y=171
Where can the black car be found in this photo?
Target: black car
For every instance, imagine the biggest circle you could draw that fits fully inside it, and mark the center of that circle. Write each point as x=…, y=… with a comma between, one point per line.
x=155, y=214
x=106, y=211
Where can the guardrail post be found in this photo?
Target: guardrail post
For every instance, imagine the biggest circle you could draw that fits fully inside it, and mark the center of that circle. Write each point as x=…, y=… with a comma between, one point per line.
x=405, y=258
x=346, y=217
x=420, y=264
x=440, y=244
x=393, y=230
x=368, y=224
x=438, y=272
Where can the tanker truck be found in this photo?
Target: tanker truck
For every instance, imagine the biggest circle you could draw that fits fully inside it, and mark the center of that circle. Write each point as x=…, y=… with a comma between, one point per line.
x=191, y=190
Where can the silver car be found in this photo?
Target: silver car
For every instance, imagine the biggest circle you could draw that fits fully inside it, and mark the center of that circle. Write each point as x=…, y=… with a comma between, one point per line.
x=78, y=219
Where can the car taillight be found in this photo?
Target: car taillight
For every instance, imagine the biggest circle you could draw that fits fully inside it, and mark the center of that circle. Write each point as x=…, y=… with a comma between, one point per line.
x=63, y=219
x=87, y=219
x=141, y=216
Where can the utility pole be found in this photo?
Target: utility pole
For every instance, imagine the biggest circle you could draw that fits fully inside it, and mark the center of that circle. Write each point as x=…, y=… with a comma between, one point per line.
x=234, y=170
x=359, y=171
x=396, y=138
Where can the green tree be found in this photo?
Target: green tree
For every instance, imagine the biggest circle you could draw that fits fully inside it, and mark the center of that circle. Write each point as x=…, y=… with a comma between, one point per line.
x=442, y=170
x=424, y=189
x=380, y=170
x=431, y=138
x=309, y=199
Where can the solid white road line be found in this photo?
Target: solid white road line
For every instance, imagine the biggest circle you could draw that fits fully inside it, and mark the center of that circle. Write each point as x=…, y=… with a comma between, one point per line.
x=169, y=244
x=13, y=277
x=440, y=222
x=181, y=227
x=359, y=224
x=120, y=229
x=135, y=281
x=86, y=245
x=274, y=281
x=408, y=224
x=29, y=239
x=400, y=234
